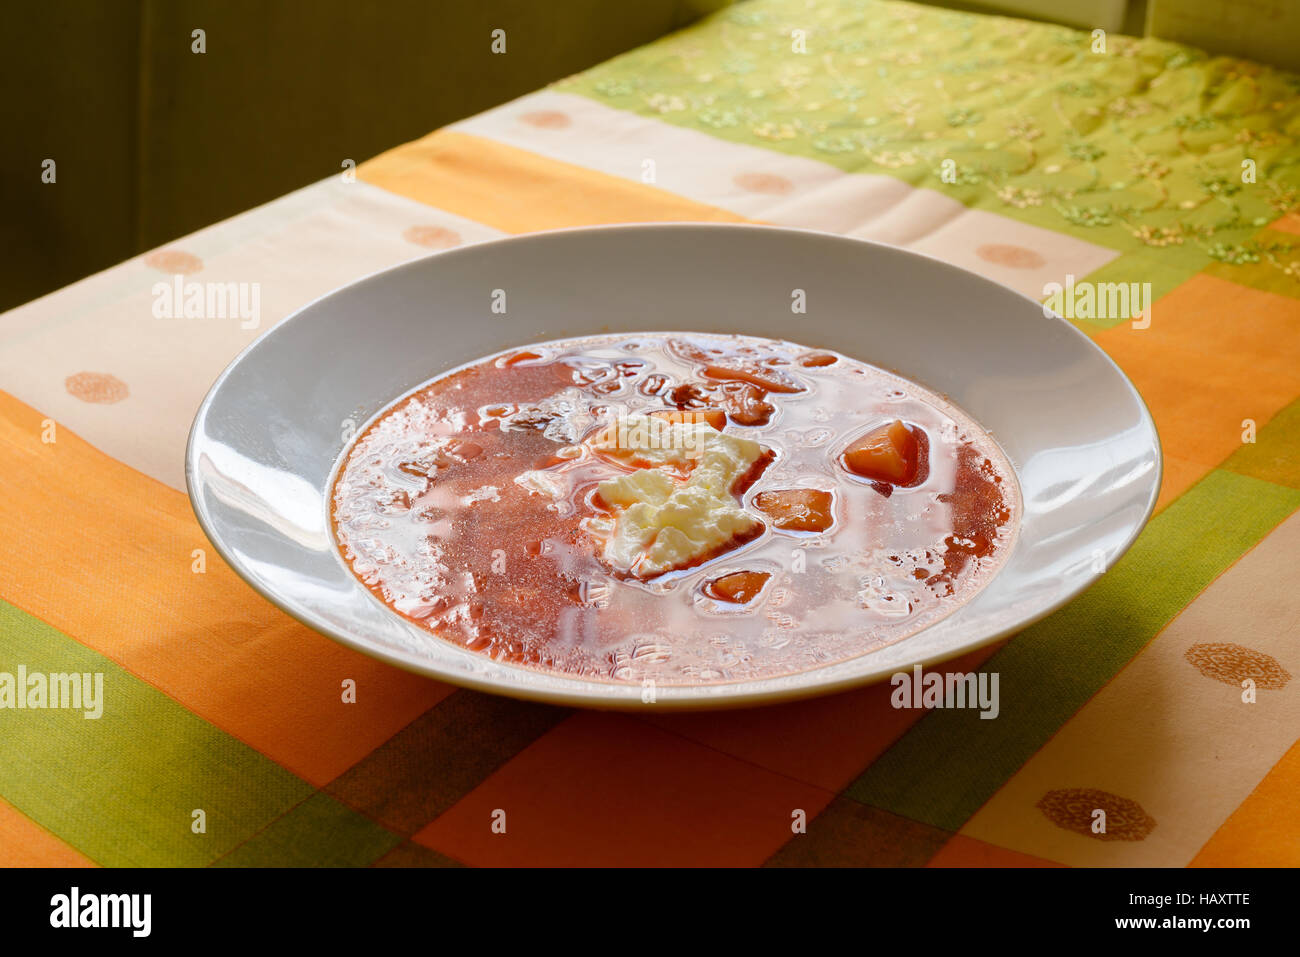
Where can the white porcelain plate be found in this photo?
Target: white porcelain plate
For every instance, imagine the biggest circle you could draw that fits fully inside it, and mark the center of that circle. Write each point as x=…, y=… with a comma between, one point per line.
x=268, y=436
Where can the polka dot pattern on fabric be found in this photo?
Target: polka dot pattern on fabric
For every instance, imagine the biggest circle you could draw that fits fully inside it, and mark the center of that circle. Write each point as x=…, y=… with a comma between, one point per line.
x=547, y=120
x=99, y=388
x=1013, y=257
x=1075, y=809
x=767, y=183
x=174, y=261
x=432, y=237
x=1233, y=664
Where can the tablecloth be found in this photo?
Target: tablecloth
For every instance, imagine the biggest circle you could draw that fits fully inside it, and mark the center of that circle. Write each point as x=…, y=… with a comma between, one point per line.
x=1165, y=695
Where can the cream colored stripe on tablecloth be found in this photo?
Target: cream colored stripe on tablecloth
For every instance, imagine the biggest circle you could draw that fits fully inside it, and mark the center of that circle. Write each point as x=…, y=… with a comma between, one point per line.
x=786, y=190
x=95, y=358
x=1171, y=732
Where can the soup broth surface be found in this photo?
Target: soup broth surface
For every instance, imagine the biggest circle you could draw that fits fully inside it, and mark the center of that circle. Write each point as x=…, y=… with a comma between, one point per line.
x=473, y=507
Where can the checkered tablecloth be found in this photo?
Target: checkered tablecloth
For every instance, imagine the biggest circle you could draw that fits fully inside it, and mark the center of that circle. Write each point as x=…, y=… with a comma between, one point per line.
x=1018, y=150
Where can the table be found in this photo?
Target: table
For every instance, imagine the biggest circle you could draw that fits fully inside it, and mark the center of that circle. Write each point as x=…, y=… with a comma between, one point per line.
x=1014, y=149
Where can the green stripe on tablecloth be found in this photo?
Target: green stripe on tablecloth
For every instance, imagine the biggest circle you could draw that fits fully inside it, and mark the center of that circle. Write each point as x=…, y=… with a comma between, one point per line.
x=410, y=854
x=1155, y=266
x=320, y=832
x=849, y=834
x=1274, y=456
x=1263, y=263
x=441, y=756
x=122, y=788
x=950, y=762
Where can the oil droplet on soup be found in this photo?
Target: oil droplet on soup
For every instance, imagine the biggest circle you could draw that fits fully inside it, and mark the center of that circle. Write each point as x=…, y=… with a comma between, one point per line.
x=868, y=508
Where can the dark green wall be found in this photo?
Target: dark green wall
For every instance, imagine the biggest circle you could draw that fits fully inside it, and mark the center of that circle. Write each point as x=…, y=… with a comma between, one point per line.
x=153, y=141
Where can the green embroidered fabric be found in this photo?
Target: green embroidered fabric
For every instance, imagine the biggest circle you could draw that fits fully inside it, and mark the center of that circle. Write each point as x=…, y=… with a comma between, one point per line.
x=1177, y=159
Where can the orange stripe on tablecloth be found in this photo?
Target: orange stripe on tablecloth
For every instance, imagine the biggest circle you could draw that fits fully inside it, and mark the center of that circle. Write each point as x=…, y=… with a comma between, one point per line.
x=24, y=843
x=1179, y=476
x=1264, y=831
x=1290, y=223
x=607, y=789
x=104, y=554
x=1216, y=353
x=963, y=851
x=518, y=191
x=783, y=757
